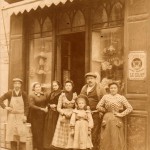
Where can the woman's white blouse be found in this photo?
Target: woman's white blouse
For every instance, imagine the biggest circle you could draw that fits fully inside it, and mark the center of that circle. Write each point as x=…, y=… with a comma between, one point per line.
x=115, y=103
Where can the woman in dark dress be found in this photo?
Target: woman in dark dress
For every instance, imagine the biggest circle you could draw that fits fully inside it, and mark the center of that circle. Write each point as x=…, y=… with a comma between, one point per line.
x=52, y=115
x=38, y=109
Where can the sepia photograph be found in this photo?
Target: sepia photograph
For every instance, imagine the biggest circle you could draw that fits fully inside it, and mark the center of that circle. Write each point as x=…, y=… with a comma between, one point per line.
x=74, y=75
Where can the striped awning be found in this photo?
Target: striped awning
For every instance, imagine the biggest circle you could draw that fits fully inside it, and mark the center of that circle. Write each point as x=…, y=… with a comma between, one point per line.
x=28, y=5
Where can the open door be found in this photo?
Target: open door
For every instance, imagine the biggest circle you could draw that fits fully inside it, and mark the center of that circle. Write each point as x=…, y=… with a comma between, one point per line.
x=73, y=59
x=66, y=60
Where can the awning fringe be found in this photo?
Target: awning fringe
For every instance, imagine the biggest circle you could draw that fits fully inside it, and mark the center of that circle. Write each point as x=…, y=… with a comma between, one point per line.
x=21, y=7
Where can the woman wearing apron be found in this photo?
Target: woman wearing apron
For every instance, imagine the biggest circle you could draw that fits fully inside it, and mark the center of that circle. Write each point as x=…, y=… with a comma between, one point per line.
x=66, y=104
x=115, y=107
x=17, y=112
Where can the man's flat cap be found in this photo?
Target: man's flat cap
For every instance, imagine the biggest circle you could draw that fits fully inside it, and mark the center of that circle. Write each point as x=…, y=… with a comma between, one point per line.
x=90, y=74
x=17, y=80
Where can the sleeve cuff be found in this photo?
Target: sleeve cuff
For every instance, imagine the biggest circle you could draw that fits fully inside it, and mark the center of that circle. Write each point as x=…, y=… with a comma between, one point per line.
x=3, y=106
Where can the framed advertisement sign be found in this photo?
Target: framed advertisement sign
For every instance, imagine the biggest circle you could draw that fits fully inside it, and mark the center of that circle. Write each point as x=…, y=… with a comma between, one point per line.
x=137, y=65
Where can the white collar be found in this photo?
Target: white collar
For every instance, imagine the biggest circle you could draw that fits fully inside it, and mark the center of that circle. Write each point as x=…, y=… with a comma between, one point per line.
x=39, y=94
x=89, y=88
x=17, y=92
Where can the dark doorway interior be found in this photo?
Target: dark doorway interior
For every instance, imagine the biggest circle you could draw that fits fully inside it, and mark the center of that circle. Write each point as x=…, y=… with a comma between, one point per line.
x=73, y=59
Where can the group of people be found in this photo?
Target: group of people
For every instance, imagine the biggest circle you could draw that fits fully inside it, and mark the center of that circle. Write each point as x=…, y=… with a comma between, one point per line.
x=64, y=120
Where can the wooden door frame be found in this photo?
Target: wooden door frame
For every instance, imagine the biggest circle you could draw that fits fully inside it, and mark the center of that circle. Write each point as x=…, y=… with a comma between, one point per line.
x=58, y=53
x=135, y=17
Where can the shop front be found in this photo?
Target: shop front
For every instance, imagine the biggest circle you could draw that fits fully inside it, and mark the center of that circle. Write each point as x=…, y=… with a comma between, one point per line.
x=65, y=41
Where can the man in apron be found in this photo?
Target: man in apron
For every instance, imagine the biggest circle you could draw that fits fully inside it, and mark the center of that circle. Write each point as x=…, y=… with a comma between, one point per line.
x=94, y=91
x=17, y=108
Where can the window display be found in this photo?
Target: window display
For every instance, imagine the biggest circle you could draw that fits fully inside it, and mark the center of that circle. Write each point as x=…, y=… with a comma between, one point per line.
x=40, y=61
x=108, y=53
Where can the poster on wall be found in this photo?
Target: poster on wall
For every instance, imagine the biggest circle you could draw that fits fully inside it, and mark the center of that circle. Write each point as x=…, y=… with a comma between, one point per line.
x=137, y=65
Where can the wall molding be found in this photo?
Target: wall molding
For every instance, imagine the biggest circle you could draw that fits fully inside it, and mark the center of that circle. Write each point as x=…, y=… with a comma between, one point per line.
x=138, y=17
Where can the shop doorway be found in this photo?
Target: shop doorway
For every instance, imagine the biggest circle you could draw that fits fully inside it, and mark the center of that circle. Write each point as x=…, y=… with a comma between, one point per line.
x=73, y=59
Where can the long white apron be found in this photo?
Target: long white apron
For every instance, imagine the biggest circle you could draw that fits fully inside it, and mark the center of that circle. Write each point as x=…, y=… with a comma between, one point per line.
x=15, y=126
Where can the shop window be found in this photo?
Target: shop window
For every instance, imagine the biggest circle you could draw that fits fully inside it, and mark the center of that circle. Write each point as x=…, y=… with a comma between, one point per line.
x=40, y=61
x=107, y=55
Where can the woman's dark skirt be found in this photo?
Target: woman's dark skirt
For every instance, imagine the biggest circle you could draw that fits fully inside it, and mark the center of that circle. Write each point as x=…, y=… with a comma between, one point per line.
x=37, y=126
x=49, y=128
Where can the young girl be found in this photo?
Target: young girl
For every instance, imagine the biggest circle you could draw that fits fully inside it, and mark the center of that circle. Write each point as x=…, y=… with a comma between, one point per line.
x=81, y=124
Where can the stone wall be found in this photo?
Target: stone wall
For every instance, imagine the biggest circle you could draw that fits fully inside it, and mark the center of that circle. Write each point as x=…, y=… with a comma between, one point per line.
x=4, y=62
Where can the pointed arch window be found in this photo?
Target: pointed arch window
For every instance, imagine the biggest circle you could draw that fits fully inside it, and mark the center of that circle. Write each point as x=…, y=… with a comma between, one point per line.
x=99, y=15
x=47, y=25
x=65, y=22
x=79, y=19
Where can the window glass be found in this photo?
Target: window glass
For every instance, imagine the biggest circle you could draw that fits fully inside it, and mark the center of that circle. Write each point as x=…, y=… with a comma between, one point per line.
x=107, y=55
x=40, y=61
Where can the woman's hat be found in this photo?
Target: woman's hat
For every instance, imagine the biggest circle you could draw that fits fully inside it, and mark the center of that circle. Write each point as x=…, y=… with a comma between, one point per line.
x=17, y=80
x=69, y=81
x=34, y=84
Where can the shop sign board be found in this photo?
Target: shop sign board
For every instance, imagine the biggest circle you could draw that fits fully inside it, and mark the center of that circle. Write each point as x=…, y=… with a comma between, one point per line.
x=137, y=65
